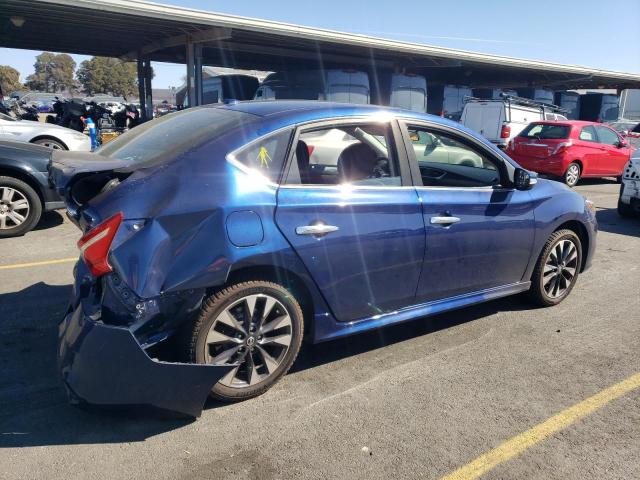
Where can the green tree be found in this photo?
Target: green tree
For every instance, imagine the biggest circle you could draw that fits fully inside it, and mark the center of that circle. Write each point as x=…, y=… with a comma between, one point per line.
x=108, y=75
x=53, y=73
x=9, y=80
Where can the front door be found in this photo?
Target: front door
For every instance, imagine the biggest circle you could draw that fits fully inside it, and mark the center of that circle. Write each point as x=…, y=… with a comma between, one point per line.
x=614, y=157
x=349, y=211
x=479, y=235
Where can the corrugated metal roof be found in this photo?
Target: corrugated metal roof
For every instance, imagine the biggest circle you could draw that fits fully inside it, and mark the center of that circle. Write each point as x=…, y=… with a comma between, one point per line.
x=121, y=27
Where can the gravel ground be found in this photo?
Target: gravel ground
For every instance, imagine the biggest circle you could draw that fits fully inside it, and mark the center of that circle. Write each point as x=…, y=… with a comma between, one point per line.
x=424, y=398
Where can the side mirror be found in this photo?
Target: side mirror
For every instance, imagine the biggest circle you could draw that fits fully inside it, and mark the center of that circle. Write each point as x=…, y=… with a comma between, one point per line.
x=522, y=179
x=623, y=144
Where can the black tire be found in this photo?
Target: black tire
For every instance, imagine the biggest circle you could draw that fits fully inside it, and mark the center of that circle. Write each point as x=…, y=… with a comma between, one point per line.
x=50, y=143
x=33, y=213
x=624, y=210
x=568, y=178
x=537, y=292
x=218, y=303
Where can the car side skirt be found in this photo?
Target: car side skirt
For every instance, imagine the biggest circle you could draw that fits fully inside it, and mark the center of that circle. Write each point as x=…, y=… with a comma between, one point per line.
x=330, y=330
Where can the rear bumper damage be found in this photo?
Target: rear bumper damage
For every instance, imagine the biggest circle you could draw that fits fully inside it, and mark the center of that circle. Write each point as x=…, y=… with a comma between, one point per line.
x=104, y=365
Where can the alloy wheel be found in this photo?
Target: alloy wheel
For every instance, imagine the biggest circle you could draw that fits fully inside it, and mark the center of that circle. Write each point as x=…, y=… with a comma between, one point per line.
x=573, y=174
x=254, y=333
x=14, y=208
x=560, y=268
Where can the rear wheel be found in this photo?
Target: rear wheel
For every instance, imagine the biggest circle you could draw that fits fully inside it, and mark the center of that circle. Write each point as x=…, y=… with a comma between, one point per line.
x=20, y=207
x=572, y=174
x=557, y=269
x=624, y=210
x=255, y=325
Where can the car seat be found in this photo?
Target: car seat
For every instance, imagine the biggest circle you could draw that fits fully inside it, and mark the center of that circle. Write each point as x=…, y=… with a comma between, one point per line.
x=356, y=162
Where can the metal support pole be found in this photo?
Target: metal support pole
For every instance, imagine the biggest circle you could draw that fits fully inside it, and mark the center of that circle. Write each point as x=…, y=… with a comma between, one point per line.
x=191, y=90
x=141, y=89
x=198, y=74
x=148, y=88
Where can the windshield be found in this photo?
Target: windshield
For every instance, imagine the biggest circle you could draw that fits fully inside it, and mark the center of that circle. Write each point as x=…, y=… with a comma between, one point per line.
x=172, y=135
x=546, y=131
x=7, y=117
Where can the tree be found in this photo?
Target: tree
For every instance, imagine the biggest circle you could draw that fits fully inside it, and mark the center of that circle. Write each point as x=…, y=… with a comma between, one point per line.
x=108, y=75
x=9, y=80
x=53, y=73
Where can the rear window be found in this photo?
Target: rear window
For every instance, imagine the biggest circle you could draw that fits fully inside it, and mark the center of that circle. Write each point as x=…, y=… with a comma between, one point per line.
x=172, y=135
x=546, y=131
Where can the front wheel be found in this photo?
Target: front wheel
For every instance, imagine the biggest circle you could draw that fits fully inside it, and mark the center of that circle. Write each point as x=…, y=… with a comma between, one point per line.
x=50, y=143
x=20, y=207
x=255, y=325
x=572, y=174
x=557, y=269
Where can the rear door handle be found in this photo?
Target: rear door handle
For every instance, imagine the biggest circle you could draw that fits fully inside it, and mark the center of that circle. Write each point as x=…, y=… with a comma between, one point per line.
x=444, y=220
x=317, y=230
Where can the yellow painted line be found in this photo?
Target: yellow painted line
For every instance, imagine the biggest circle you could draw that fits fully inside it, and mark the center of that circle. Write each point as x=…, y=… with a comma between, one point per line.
x=38, y=264
x=540, y=432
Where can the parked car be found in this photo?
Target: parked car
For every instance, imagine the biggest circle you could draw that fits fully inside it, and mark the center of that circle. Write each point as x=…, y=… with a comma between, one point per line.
x=599, y=107
x=500, y=120
x=24, y=188
x=630, y=104
x=629, y=199
x=540, y=95
x=42, y=101
x=46, y=134
x=447, y=101
x=570, y=102
x=209, y=228
x=350, y=86
x=571, y=150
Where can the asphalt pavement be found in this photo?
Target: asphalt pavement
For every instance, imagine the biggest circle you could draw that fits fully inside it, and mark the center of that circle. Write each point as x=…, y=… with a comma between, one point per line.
x=419, y=400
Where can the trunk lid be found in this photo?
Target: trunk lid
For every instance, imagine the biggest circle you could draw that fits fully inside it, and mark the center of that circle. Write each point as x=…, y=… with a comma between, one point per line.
x=80, y=177
x=532, y=147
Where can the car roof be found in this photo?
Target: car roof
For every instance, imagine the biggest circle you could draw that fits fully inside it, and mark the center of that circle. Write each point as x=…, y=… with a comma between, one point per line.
x=575, y=123
x=298, y=111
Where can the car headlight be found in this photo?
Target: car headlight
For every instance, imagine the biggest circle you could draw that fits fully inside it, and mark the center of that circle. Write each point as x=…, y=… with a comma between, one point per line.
x=589, y=205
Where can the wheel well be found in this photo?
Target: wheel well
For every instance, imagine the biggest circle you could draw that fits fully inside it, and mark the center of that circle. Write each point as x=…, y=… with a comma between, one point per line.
x=284, y=277
x=579, y=162
x=25, y=177
x=49, y=137
x=580, y=230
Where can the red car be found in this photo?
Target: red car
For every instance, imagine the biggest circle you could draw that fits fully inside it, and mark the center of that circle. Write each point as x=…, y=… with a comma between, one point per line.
x=571, y=150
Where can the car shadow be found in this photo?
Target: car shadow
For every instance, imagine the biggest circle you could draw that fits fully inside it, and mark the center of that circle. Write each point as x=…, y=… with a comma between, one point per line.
x=609, y=220
x=35, y=411
x=315, y=355
x=49, y=220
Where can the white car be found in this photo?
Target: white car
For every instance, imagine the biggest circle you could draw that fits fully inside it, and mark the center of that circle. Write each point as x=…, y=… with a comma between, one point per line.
x=629, y=200
x=46, y=134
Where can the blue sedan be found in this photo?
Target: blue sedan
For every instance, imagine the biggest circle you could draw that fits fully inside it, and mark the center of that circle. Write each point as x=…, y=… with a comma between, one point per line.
x=221, y=236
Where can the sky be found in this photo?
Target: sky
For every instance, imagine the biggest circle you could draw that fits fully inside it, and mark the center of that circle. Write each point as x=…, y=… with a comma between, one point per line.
x=593, y=33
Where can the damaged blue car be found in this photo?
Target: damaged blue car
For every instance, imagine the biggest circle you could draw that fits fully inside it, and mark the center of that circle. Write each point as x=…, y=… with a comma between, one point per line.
x=215, y=239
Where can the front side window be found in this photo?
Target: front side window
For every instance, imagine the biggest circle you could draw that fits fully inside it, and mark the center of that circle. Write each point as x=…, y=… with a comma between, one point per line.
x=607, y=136
x=543, y=131
x=345, y=154
x=266, y=155
x=446, y=160
x=588, y=134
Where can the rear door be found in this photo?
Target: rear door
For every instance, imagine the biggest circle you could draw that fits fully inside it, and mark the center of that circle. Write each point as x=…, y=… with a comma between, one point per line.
x=614, y=158
x=485, y=118
x=354, y=220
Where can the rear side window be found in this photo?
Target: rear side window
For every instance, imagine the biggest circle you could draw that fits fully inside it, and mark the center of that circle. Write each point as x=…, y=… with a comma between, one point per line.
x=265, y=155
x=607, y=136
x=588, y=134
x=545, y=131
x=173, y=135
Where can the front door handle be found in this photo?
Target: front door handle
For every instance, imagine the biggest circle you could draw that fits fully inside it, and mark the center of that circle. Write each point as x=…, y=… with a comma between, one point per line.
x=316, y=229
x=444, y=220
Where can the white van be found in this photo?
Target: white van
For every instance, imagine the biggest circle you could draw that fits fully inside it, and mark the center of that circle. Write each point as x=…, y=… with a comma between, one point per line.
x=499, y=120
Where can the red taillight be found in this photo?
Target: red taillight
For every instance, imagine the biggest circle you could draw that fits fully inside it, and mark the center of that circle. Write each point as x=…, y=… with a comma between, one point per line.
x=561, y=147
x=441, y=113
x=94, y=245
x=310, y=149
x=505, y=132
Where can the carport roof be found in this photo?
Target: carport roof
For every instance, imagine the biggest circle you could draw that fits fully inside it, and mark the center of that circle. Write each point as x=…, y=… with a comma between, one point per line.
x=128, y=28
